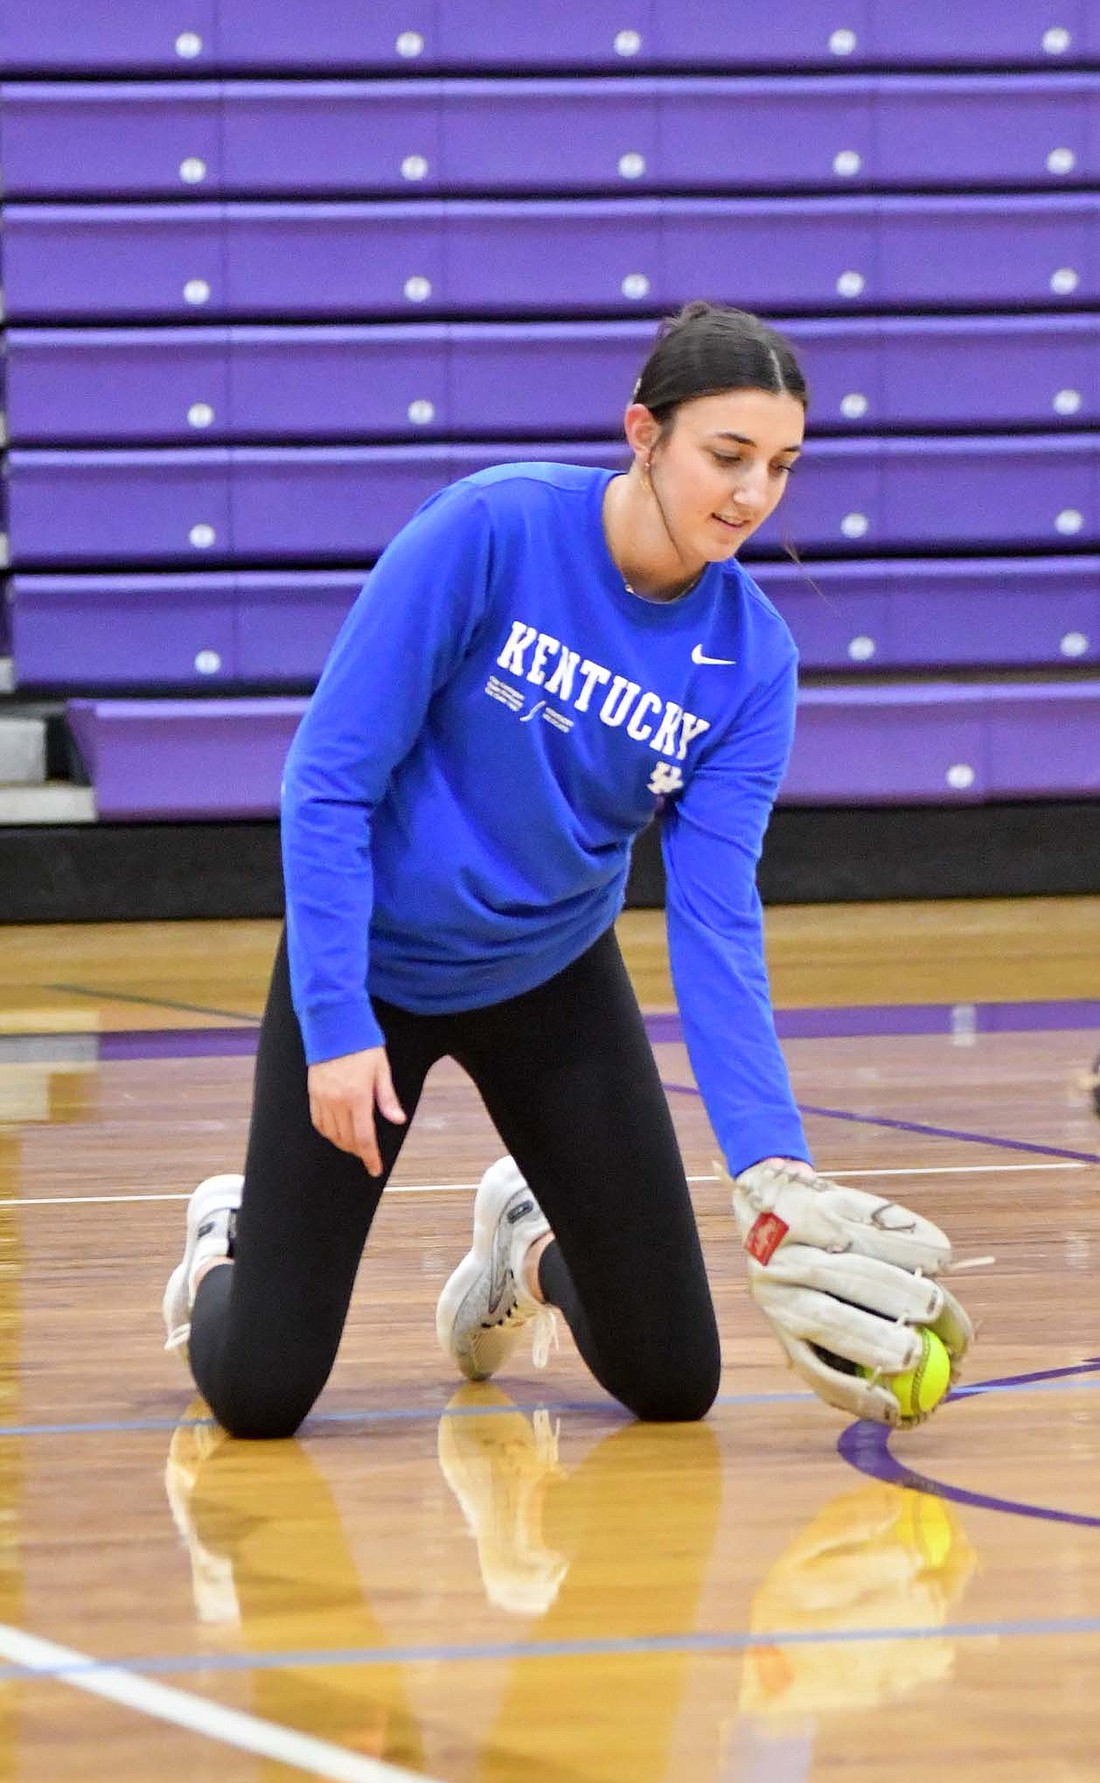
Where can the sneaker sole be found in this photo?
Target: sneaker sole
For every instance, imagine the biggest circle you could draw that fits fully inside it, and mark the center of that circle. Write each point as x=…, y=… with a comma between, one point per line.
x=488, y=1203
x=207, y=1198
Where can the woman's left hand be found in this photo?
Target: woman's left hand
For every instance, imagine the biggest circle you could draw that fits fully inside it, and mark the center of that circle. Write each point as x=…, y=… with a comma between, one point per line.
x=343, y=1096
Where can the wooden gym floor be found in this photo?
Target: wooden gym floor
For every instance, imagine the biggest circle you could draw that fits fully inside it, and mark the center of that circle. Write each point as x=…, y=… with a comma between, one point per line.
x=483, y=1585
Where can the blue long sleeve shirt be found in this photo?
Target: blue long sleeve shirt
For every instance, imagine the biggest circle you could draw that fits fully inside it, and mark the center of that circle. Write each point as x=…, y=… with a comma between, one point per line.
x=498, y=720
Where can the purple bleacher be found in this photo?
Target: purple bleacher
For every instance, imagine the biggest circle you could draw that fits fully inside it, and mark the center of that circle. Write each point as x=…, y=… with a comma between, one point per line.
x=128, y=34
x=1024, y=490
x=318, y=499
x=758, y=134
x=508, y=258
x=256, y=504
x=885, y=744
x=221, y=628
x=409, y=38
x=990, y=371
x=114, y=259
x=69, y=631
x=286, y=625
x=461, y=207
x=184, y=758
x=951, y=132
x=1041, y=741
x=100, y=386
x=915, y=613
x=938, y=742
x=83, y=139
x=403, y=36
x=231, y=139
x=932, y=743
x=231, y=629
x=938, y=32
x=67, y=507
x=123, y=385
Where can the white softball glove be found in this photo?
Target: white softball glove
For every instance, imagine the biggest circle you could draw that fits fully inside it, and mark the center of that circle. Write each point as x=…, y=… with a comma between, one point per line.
x=843, y=1277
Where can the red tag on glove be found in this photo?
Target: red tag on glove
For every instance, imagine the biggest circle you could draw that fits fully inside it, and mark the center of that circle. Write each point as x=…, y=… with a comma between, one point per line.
x=765, y=1237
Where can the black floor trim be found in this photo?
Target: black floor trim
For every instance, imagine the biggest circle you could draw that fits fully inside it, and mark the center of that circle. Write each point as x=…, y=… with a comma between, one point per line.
x=160, y=872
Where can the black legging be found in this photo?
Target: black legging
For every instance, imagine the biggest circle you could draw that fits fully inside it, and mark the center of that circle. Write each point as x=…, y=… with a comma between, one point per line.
x=568, y=1077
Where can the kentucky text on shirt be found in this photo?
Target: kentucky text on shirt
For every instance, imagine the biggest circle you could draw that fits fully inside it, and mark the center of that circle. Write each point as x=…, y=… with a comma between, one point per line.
x=624, y=702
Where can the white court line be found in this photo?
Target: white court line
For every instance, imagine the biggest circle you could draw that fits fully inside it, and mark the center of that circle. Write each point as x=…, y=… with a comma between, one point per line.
x=394, y=1188
x=961, y=1169
x=165, y=1703
x=77, y=1200
x=451, y=1188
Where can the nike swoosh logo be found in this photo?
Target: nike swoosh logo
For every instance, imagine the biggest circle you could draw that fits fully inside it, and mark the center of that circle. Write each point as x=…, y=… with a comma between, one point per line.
x=726, y=662
x=501, y=1272
x=497, y=1285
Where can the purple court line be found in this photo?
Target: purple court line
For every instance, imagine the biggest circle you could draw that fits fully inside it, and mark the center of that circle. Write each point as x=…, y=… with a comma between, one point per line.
x=734, y=1640
x=1036, y=1378
x=1016, y=1145
x=866, y=1447
x=838, y=1022
x=179, y=1043
x=853, y=1020
x=877, y=1120
x=1050, y=1380
x=172, y=1043
x=595, y=1408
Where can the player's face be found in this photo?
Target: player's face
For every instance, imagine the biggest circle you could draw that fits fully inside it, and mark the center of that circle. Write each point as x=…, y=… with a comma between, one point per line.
x=723, y=466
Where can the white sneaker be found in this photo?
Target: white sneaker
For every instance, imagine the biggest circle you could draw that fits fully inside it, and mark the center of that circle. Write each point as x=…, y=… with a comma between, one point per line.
x=211, y=1217
x=486, y=1303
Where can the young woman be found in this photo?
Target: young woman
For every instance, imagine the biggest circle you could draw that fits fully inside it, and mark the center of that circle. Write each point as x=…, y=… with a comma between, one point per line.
x=543, y=659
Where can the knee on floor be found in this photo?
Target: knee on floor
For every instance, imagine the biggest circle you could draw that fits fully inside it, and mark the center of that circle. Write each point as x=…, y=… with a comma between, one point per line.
x=672, y=1407
x=270, y=1425
x=262, y=1412
x=681, y=1395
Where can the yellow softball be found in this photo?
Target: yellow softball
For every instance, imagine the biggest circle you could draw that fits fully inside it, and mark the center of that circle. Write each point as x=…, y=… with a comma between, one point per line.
x=920, y=1390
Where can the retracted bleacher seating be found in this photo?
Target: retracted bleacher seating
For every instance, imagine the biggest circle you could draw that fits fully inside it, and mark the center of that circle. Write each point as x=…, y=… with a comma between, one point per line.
x=274, y=273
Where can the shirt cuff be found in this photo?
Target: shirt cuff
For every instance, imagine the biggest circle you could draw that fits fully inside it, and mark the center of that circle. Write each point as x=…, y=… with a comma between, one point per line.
x=769, y=1138
x=331, y=1030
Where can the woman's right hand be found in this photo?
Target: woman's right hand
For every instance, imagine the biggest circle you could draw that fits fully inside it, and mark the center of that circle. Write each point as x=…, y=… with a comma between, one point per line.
x=343, y=1094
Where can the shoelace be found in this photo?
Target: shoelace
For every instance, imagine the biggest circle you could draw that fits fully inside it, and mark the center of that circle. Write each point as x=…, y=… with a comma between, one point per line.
x=544, y=1336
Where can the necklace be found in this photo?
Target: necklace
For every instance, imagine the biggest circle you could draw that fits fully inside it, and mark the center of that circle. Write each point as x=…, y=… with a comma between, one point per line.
x=611, y=496
x=665, y=600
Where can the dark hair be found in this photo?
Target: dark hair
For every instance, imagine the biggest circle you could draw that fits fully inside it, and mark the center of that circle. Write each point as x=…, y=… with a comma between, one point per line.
x=708, y=348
